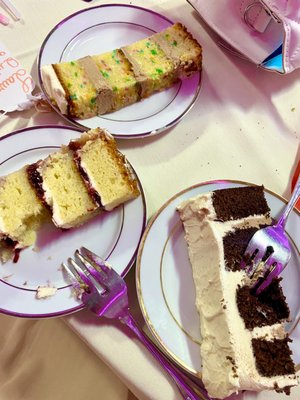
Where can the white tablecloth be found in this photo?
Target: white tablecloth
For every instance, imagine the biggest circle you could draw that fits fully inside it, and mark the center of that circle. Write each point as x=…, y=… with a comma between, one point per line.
x=244, y=126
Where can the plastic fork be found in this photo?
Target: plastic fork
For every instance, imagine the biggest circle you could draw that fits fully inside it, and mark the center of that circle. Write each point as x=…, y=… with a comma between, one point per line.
x=104, y=292
x=269, y=250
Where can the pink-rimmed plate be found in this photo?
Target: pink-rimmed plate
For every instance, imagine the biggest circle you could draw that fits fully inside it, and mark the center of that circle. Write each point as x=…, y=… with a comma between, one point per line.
x=165, y=285
x=114, y=235
x=106, y=27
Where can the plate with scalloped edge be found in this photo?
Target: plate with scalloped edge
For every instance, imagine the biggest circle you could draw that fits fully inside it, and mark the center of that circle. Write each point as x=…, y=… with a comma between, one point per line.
x=166, y=290
x=114, y=235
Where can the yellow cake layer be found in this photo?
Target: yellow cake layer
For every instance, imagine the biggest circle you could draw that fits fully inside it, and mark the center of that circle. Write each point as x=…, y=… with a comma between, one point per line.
x=65, y=191
x=106, y=168
x=118, y=74
x=152, y=68
x=20, y=209
x=80, y=91
x=181, y=47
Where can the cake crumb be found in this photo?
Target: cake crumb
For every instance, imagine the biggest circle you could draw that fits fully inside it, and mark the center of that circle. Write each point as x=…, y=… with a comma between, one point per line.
x=43, y=292
x=7, y=277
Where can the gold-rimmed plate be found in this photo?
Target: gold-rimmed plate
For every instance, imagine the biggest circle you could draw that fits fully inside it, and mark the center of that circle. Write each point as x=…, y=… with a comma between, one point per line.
x=165, y=286
x=106, y=27
x=115, y=235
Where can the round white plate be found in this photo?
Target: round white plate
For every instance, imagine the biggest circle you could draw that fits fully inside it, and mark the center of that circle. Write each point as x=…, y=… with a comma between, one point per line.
x=99, y=29
x=165, y=285
x=114, y=235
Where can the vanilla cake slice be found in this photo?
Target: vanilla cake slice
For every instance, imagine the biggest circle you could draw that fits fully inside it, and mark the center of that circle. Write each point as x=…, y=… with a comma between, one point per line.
x=21, y=213
x=82, y=179
x=72, y=185
x=104, y=169
x=59, y=184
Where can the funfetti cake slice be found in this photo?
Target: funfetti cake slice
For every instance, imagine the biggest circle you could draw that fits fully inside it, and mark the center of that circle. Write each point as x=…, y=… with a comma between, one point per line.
x=152, y=68
x=180, y=47
x=117, y=72
x=101, y=83
x=244, y=343
x=79, y=87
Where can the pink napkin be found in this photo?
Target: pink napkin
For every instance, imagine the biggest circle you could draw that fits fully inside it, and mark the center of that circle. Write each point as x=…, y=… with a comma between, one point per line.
x=256, y=29
x=288, y=12
x=226, y=18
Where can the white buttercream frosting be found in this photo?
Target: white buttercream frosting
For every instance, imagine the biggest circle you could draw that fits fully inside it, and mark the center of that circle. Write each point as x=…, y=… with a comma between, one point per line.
x=228, y=363
x=54, y=88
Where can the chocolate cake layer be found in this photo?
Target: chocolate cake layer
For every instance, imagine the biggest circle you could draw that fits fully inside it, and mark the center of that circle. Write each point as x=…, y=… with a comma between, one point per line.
x=235, y=244
x=236, y=203
x=273, y=358
x=267, y=308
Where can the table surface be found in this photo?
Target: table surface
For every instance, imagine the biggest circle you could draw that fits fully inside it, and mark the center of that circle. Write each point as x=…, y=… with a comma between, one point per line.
x=243, y=126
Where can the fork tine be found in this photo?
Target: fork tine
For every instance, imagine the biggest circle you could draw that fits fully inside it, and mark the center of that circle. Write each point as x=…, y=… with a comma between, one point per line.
x=271, y=273
x=98, y=273
x=253, y=261
x=72, y=274
x=79, y=286
x=89, y=255
x=272, y=270
x=85, y=276
x=259, y=257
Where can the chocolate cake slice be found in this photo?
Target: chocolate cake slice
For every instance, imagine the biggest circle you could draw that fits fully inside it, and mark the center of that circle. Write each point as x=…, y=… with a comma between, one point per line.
x=244, y=342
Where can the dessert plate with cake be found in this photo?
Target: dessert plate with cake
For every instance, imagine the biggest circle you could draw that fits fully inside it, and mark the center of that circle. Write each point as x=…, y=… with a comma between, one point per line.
x=197, y=301
x=60, y=189
x=125, y=68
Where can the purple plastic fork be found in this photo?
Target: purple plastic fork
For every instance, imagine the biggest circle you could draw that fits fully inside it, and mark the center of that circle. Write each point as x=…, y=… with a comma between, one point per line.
x=105, y=294
x=269, y=248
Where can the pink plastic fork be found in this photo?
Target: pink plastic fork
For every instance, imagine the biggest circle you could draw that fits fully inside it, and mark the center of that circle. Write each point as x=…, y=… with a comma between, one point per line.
x=104, y=292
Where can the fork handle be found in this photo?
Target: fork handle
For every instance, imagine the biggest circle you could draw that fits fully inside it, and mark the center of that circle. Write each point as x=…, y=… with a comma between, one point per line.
x=290, y=204
x=187, y=392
